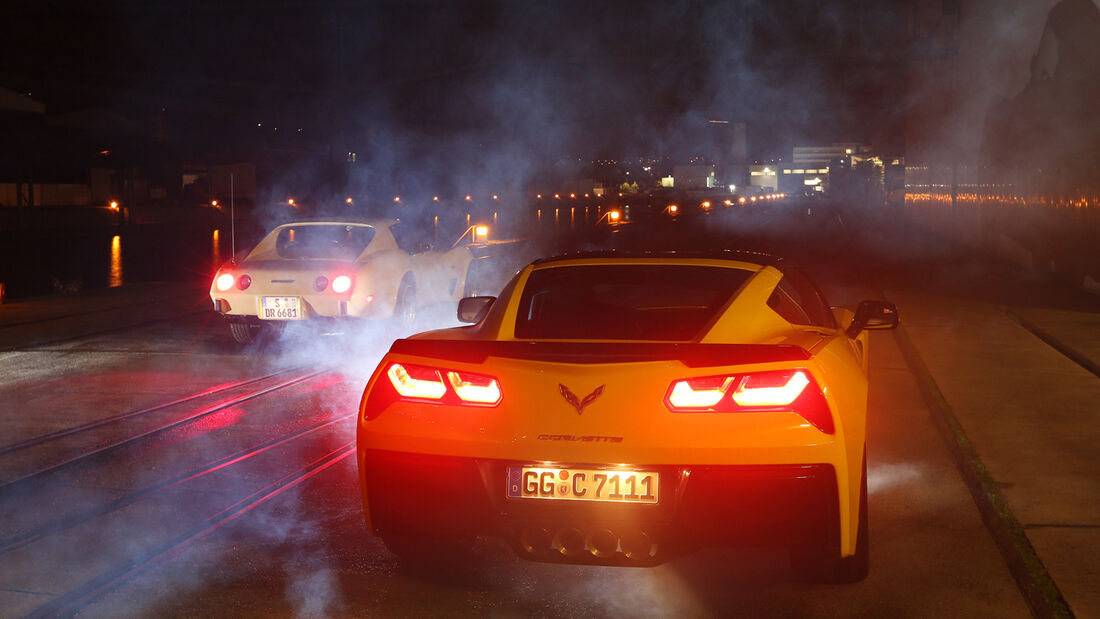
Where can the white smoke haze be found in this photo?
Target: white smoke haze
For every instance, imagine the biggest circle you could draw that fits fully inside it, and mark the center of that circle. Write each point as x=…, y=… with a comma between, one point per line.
x=534, y=85
x=888, y=476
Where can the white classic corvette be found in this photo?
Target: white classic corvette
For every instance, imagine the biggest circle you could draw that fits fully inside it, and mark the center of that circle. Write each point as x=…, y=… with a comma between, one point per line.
x=336, y=269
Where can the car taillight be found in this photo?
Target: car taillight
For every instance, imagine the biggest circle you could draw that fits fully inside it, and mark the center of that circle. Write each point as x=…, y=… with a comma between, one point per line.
x=474, y=388
x=772, y=391
x=341, y=283
x=320, y=283
x=770, y=388
x=224, y=281
x=417, y=382
x=699, y=392
x=244, y=281
x=414, y=381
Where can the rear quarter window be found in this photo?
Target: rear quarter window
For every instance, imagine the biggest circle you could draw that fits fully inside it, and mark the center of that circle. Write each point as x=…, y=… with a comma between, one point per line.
x=799, y=301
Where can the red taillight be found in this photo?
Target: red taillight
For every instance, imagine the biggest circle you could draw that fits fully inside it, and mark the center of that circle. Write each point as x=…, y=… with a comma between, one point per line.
x=778, y=390
x=224, y=281
x=699, y=393
x=417, y=382
x=414, y=381
x=320, y=283
x=244, y=281
x=474, y=388
x=770, y=388
x=341, y=283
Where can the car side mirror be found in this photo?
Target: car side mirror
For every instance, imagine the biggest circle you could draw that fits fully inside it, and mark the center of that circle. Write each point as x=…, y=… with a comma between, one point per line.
x=873, y=315
x=473, y=309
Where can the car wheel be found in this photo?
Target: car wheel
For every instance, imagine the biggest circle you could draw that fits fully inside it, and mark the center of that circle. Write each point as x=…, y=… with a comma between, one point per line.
x=242, y=332
x=815, y=566
x=404, y=309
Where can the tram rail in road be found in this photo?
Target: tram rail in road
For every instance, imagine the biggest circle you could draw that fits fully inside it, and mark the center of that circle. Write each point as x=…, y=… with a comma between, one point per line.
x=53, y=436
x=53, y=464
x=275, y=465
x=74, y=600
x=18, y=541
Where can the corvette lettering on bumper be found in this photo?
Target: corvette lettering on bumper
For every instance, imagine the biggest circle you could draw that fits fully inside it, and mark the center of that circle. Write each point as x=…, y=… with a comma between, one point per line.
x=587, y=438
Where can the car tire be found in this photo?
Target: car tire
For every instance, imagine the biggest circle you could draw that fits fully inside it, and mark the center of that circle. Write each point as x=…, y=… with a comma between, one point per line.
x=242, y=332
x=815, y=566
x=404, y=308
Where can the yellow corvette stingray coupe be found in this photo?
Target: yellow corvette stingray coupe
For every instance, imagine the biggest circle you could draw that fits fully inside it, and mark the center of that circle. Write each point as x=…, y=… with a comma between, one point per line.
x=621, y=409
x=336, y=269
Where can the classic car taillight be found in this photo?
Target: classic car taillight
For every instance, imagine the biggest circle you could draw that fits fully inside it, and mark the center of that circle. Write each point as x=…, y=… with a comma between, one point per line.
x=320, y=283
x=224, y=281
x=341, y=283
x=771, y=391
x=244, y=281
x=417, y=382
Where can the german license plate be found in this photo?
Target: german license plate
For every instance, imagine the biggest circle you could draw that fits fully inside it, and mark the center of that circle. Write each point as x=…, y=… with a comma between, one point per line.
x=606, y=486
x=280, y=308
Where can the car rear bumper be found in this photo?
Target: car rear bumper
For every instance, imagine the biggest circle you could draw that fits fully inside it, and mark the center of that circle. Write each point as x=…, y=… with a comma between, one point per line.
x=240, y=306
x=707, y=505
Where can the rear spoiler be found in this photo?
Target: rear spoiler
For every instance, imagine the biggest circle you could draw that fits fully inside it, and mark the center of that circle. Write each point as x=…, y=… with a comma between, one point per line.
x=690, y=354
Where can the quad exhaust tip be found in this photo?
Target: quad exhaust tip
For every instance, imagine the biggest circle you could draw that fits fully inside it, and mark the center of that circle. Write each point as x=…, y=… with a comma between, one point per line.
x=601, y=543
x=535, y=540
x=569, y=542
x=637, y=546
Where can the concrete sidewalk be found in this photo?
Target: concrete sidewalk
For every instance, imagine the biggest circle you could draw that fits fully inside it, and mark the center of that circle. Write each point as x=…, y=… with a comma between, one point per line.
x=1029, y=413
x=41, y=320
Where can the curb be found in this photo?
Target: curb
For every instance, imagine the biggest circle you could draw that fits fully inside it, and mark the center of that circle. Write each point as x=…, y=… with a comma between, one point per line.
x=1037, y=587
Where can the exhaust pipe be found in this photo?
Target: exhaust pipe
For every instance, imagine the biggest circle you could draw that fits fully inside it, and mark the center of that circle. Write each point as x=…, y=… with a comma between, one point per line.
x=602, y=543
x=569, y=542
x=637, y=546
x=534, y=540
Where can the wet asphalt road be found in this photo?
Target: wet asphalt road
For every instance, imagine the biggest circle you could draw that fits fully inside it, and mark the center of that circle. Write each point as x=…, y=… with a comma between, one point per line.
x=305, y=552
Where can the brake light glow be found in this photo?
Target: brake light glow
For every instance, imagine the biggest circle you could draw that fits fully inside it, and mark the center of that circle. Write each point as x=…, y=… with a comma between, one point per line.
x=341, y=283
x=416, y=382
x=224, y=281
x=419, y=382
x=769, y=389
x=792, y=390
x=699, y=392
x=474, y=388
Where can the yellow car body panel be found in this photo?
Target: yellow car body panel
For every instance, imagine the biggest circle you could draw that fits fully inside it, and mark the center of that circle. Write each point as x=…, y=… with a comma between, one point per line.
x=628, y=423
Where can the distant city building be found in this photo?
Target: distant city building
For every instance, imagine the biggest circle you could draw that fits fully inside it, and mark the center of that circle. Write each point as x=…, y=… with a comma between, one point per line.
x=695, y=177
x=764, y=176
x=809, y=169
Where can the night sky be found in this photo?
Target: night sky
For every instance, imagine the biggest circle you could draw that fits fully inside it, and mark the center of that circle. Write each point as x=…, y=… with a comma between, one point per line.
x=549, y=78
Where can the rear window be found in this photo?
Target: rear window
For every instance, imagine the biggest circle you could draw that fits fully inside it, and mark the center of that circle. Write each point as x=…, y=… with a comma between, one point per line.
x=334, y=242
x=624, y=302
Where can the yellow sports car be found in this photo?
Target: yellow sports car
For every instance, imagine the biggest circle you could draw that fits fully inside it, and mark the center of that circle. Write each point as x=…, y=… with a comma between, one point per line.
x=334, y=269
x=621, y=409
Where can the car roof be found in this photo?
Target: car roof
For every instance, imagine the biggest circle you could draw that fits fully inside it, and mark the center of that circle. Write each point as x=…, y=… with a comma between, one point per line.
x=377, y=222
x=732, y=255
